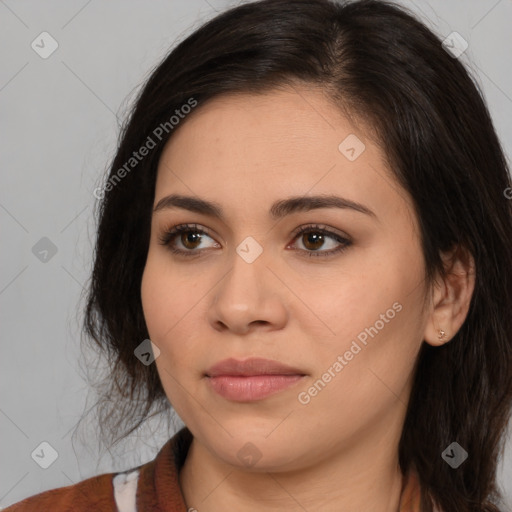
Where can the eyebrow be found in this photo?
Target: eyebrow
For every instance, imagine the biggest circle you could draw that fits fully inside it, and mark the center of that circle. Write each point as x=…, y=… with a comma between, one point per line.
x=278, y=210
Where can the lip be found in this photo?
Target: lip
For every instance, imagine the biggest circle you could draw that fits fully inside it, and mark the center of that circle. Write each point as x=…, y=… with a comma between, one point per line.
x=250, y=367
x=252, y=379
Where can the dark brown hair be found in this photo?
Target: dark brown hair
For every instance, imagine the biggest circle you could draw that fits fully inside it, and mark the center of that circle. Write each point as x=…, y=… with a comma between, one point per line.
x=375, y=60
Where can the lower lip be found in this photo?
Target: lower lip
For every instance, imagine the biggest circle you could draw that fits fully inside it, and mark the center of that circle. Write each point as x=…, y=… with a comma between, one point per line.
x=248, y=389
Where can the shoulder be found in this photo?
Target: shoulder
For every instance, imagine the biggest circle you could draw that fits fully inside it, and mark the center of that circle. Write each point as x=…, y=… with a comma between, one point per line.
x=96, y=493
x=151, y=486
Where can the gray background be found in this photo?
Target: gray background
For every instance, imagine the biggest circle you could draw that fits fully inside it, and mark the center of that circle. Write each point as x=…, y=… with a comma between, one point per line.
x=59, y=129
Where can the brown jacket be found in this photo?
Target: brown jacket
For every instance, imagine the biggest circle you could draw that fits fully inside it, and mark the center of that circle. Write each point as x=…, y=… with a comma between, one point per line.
x=152, y=487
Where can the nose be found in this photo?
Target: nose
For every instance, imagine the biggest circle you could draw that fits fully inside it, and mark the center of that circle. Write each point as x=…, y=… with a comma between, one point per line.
x=248, y=297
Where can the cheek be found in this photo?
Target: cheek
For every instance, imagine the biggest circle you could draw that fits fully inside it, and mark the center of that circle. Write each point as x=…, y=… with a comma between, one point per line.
x=165, y=296
x=152, y=298
x=353, y=298
x=171, y=303
x=164, y=316
x=377, y=359
x=373, y=312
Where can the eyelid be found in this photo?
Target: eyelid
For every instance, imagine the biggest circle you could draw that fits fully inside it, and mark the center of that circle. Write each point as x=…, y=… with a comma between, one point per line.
x=320, y=227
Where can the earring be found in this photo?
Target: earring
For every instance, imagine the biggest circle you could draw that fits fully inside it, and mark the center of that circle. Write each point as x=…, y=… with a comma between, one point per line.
x=441, y=334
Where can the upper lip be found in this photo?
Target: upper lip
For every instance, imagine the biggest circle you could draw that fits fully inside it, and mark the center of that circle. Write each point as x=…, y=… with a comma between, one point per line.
x=251, y=366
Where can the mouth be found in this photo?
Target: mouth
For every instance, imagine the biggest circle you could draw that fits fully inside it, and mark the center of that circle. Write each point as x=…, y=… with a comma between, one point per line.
x=251, y=367
x=249, y=389
x=251, y=380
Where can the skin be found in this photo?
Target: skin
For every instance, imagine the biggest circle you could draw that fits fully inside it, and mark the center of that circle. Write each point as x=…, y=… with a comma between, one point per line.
x=245, y=152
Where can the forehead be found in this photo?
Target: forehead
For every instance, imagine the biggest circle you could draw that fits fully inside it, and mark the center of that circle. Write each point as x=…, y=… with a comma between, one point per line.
x=254, y=147
x=302, y=120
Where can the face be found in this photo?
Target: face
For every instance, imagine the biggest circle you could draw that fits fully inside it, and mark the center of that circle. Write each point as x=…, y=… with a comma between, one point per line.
x=341, y=303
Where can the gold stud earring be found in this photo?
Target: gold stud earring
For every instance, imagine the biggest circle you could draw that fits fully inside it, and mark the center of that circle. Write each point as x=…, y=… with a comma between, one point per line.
x=441, y=334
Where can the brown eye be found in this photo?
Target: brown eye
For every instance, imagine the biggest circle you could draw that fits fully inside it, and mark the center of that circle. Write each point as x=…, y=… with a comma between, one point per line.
x=313, y=238
x=189, y=236
x=190, y=239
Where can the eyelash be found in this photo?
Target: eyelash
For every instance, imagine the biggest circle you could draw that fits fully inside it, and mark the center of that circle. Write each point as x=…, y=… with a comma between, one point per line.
x=167, y=237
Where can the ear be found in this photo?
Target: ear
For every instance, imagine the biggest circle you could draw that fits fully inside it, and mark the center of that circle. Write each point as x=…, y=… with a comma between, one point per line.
x=451, y=296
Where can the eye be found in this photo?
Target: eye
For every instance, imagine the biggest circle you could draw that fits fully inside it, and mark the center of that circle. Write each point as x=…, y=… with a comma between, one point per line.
x=312, y=237
x=190, y=236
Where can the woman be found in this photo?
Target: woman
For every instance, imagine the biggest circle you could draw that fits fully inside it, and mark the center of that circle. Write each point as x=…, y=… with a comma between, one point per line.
x=305, y=246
